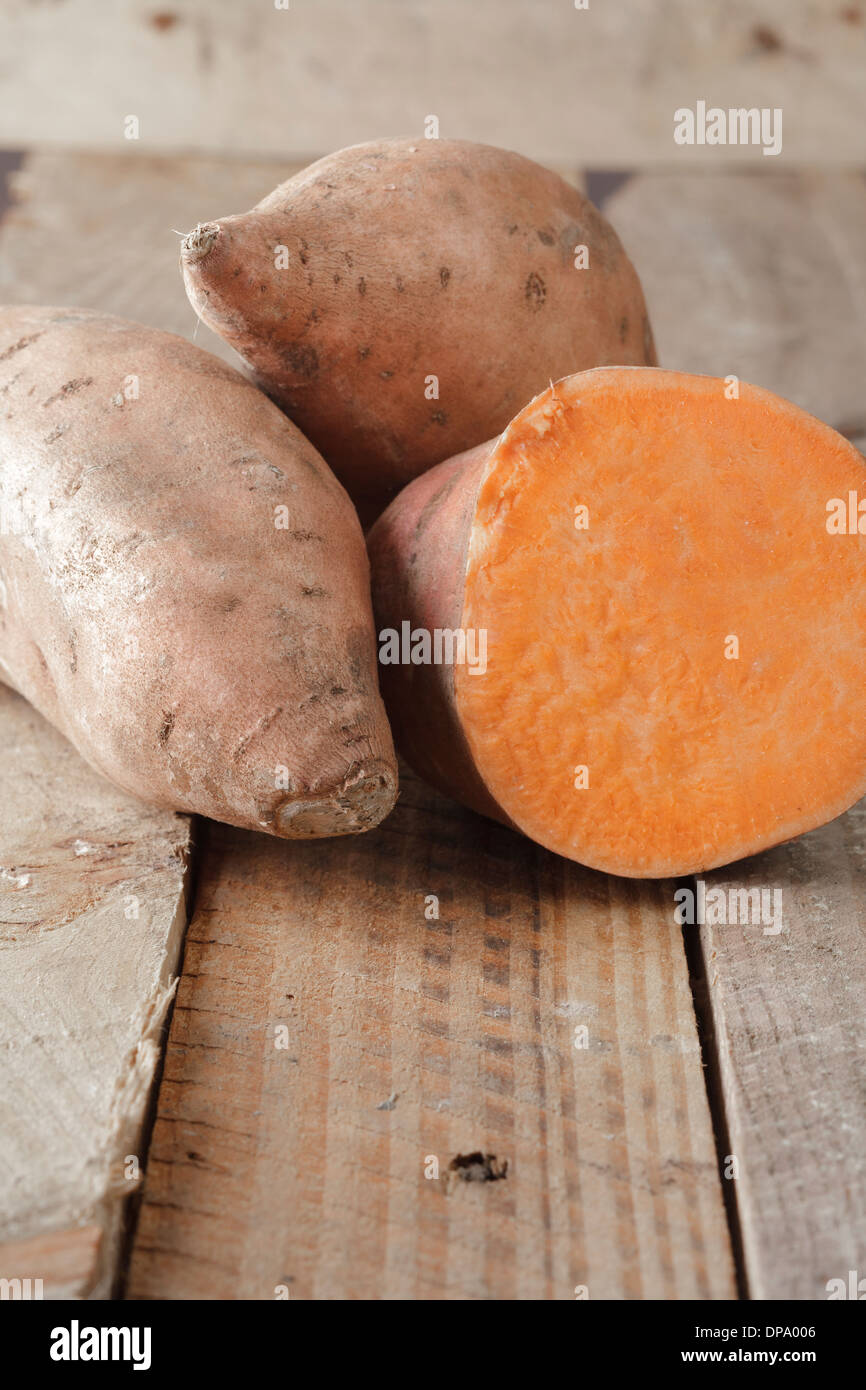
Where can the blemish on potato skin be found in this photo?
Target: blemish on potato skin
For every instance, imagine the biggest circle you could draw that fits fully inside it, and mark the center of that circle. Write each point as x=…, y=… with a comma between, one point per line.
x=313, y=591
x=535, y=290
x=4, y=390
x=19, y=346
x=439, y=417
x=400, y=286
x=766, y=38
x=166, y=726
x=444, y=276
x=623, y=329
x=545, y=235
x=362, y=286
x=363, y=352
x=350, y=738
x=302, y=358
x=69, y=388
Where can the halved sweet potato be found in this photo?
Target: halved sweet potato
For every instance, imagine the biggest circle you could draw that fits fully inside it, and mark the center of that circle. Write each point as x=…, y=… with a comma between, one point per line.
x=675, y=669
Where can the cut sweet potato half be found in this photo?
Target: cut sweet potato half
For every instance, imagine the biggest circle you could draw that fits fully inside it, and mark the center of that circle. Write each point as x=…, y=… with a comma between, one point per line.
x=675, y=627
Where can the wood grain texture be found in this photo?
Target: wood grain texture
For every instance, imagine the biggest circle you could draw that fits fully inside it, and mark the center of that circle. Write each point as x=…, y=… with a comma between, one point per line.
x=790, y=1022
x=57, y=1265
x=102, y=232
x=762, y=277
x=92, y=912
x=412, y=1038
x=597, y=86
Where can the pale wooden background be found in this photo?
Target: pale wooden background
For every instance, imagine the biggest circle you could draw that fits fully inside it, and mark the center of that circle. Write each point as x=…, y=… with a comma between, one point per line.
x=593, y=88
x=413, y=1038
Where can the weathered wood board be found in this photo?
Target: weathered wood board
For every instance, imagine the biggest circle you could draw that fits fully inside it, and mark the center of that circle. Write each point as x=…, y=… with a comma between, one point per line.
x=92, y=914
x=760, y=277
x=788, y=994
x=57, y=1265
x=302, y=1158
x=594, y=85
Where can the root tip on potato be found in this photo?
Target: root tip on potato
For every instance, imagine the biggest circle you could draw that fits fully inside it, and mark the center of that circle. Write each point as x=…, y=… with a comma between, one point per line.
x=197, y=243
x=364, y=799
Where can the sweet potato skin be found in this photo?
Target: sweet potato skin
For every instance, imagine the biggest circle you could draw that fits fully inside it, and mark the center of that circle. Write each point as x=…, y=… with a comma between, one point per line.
x=414, y=267
x=418, y=552
x=150, y=607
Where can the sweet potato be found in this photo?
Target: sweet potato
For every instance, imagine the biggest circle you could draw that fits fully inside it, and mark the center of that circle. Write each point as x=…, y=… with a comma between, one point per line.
x=183, y=583
x=402, y=301
x=675, y=669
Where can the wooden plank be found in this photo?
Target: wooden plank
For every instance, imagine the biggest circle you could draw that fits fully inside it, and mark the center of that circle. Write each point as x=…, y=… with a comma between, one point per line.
x=598, y=86
x=788, y=1012
x=411, y=1038
x=92, y=913
x=57, y=1265
x=764, y=278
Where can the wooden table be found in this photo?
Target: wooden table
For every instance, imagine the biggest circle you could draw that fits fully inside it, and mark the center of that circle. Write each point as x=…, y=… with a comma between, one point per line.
x=434, y=1061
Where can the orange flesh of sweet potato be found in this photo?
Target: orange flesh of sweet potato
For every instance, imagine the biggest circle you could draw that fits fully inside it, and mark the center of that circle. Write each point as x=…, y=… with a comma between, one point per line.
x=683, y=681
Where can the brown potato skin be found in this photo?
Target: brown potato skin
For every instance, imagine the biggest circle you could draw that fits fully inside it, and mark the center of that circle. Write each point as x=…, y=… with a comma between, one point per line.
x=407, y=260
x=149, y=606
x=418, y=555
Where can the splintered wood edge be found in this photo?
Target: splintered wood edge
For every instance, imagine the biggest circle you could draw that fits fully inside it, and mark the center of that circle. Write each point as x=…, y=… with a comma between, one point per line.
x=66, y=911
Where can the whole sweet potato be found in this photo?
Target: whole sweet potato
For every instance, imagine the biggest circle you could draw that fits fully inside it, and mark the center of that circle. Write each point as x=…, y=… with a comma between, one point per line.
x=632, y=626
x=183, y=582
x=402, y=301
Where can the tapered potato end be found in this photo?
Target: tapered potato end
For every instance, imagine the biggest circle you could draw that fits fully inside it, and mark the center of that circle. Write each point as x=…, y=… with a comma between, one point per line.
x=365, y=799
x=197, y=243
